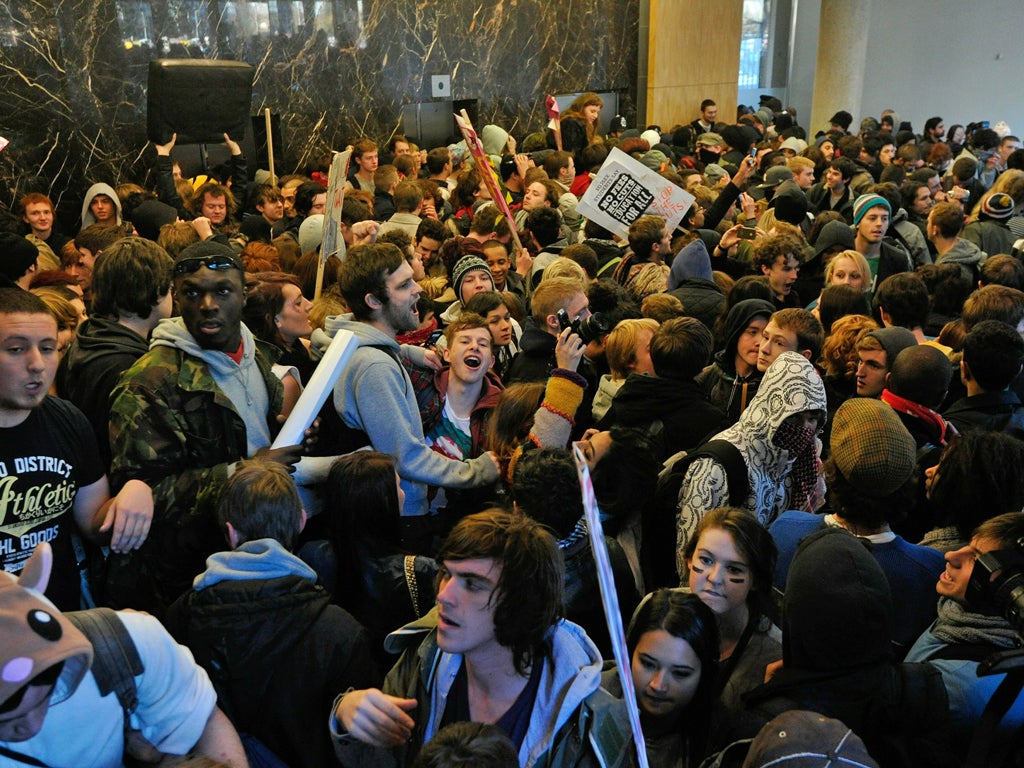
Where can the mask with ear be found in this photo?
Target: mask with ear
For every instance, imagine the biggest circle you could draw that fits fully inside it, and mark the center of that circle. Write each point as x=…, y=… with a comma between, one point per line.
x=36, y=636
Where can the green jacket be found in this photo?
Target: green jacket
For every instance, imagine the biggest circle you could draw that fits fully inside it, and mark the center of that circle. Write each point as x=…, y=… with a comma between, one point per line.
x=172, y=427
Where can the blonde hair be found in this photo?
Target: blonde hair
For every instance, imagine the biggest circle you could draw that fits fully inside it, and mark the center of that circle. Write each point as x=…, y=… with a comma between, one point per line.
x=661, y=307
x=767, y=221
x=552, y=295
x=58, y=301
x=176, y=237
x=563, y=267
x=798, y=163
x=620, y=347
x=856, y=258
x=329, y=304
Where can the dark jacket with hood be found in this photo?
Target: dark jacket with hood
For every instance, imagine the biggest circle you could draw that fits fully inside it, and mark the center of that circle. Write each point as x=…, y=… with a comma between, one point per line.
x=536, y=358
x=702, y=300
x=989, y=235
x=892, y=260
x=691, y=281
x=686, y=416
x=730, y=392
x=536, y=361
x=837, y=621
x=276, y=650
x=608, y=255
x=819, y=200
x=100, y=352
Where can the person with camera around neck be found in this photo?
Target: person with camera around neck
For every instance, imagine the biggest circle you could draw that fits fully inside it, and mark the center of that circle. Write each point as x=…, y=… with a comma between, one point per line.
x=970, y=626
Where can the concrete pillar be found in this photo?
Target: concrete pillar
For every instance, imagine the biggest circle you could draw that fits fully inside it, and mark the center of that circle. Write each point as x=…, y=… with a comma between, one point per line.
x=842, y=50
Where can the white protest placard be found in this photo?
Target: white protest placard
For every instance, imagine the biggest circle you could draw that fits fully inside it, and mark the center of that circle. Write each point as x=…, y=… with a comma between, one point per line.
x=321, y=384
x=625, y=189
x=610, y=603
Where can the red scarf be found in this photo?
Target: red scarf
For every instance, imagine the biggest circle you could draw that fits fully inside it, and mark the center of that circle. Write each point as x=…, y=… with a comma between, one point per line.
x=919, y=412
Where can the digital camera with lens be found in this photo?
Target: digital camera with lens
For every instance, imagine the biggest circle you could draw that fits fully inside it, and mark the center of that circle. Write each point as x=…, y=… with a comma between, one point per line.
x=998, y=581
x=588, y=329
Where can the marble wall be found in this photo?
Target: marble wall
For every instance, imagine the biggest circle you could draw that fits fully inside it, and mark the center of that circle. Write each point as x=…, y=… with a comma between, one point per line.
x=73, y=72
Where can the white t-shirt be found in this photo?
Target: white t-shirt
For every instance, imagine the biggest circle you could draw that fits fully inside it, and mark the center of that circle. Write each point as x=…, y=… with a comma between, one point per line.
x=176, y=699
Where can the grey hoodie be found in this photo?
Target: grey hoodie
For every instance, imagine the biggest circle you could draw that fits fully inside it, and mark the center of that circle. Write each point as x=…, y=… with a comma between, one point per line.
x=374, y=394
x=99, y=189
x=967, y=256
x=241, y=382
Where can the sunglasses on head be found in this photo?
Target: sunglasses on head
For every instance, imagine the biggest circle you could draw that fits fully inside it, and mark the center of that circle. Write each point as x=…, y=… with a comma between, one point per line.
x=216, y=263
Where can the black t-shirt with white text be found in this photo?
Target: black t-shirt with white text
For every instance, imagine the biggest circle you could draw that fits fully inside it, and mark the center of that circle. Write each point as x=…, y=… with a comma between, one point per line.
x=43, y=462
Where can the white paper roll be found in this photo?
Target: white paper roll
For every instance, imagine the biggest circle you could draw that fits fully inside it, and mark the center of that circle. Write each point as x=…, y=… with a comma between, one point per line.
x=313, y=397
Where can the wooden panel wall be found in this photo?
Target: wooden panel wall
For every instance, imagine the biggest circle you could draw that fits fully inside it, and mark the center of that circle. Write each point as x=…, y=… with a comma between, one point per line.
x=693, y=54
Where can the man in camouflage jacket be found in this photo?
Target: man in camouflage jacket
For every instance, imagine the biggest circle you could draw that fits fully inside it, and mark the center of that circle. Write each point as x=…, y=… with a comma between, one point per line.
x=200, y=400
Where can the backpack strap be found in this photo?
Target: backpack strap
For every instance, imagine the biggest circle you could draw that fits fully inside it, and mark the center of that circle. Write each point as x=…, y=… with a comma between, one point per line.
x=729, y=456
x=116, y=661
x=659, y=520
x=964, y=652
x=609, y=266
x=24, y=759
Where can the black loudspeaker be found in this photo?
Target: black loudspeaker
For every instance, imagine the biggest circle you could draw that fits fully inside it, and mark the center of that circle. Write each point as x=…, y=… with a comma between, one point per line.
x=198, y=99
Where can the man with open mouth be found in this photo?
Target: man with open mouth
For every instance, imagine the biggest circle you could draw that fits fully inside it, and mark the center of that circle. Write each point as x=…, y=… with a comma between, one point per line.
x=52, y=478
x=374, y=393
x=464, y=394
x=493, y=651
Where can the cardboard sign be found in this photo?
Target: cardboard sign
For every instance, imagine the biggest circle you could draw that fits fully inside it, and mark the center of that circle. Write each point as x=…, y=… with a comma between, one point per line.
x=625, y=189
x=335, y=200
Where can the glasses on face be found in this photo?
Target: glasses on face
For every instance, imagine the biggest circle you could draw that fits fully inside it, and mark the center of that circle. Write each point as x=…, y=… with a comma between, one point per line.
x=216, y=263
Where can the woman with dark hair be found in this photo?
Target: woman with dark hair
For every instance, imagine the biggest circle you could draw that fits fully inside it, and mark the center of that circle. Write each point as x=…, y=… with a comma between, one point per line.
x=673, y=649
x=278, y=313
x=379, y=583
x=956, y=136
x=306, y=267
x=731, y=560
x=961, y=496
x=469, y=188
x=839, y=301
x=624, y=472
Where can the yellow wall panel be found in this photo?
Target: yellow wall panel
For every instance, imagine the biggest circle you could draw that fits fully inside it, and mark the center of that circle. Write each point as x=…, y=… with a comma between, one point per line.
x=693, y=54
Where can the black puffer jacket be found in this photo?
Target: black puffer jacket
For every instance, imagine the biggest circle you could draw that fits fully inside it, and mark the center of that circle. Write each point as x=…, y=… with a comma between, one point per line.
x=278, y=653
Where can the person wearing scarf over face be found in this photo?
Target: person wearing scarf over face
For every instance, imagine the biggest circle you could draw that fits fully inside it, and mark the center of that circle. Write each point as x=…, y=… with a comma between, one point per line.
x=777, y=438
